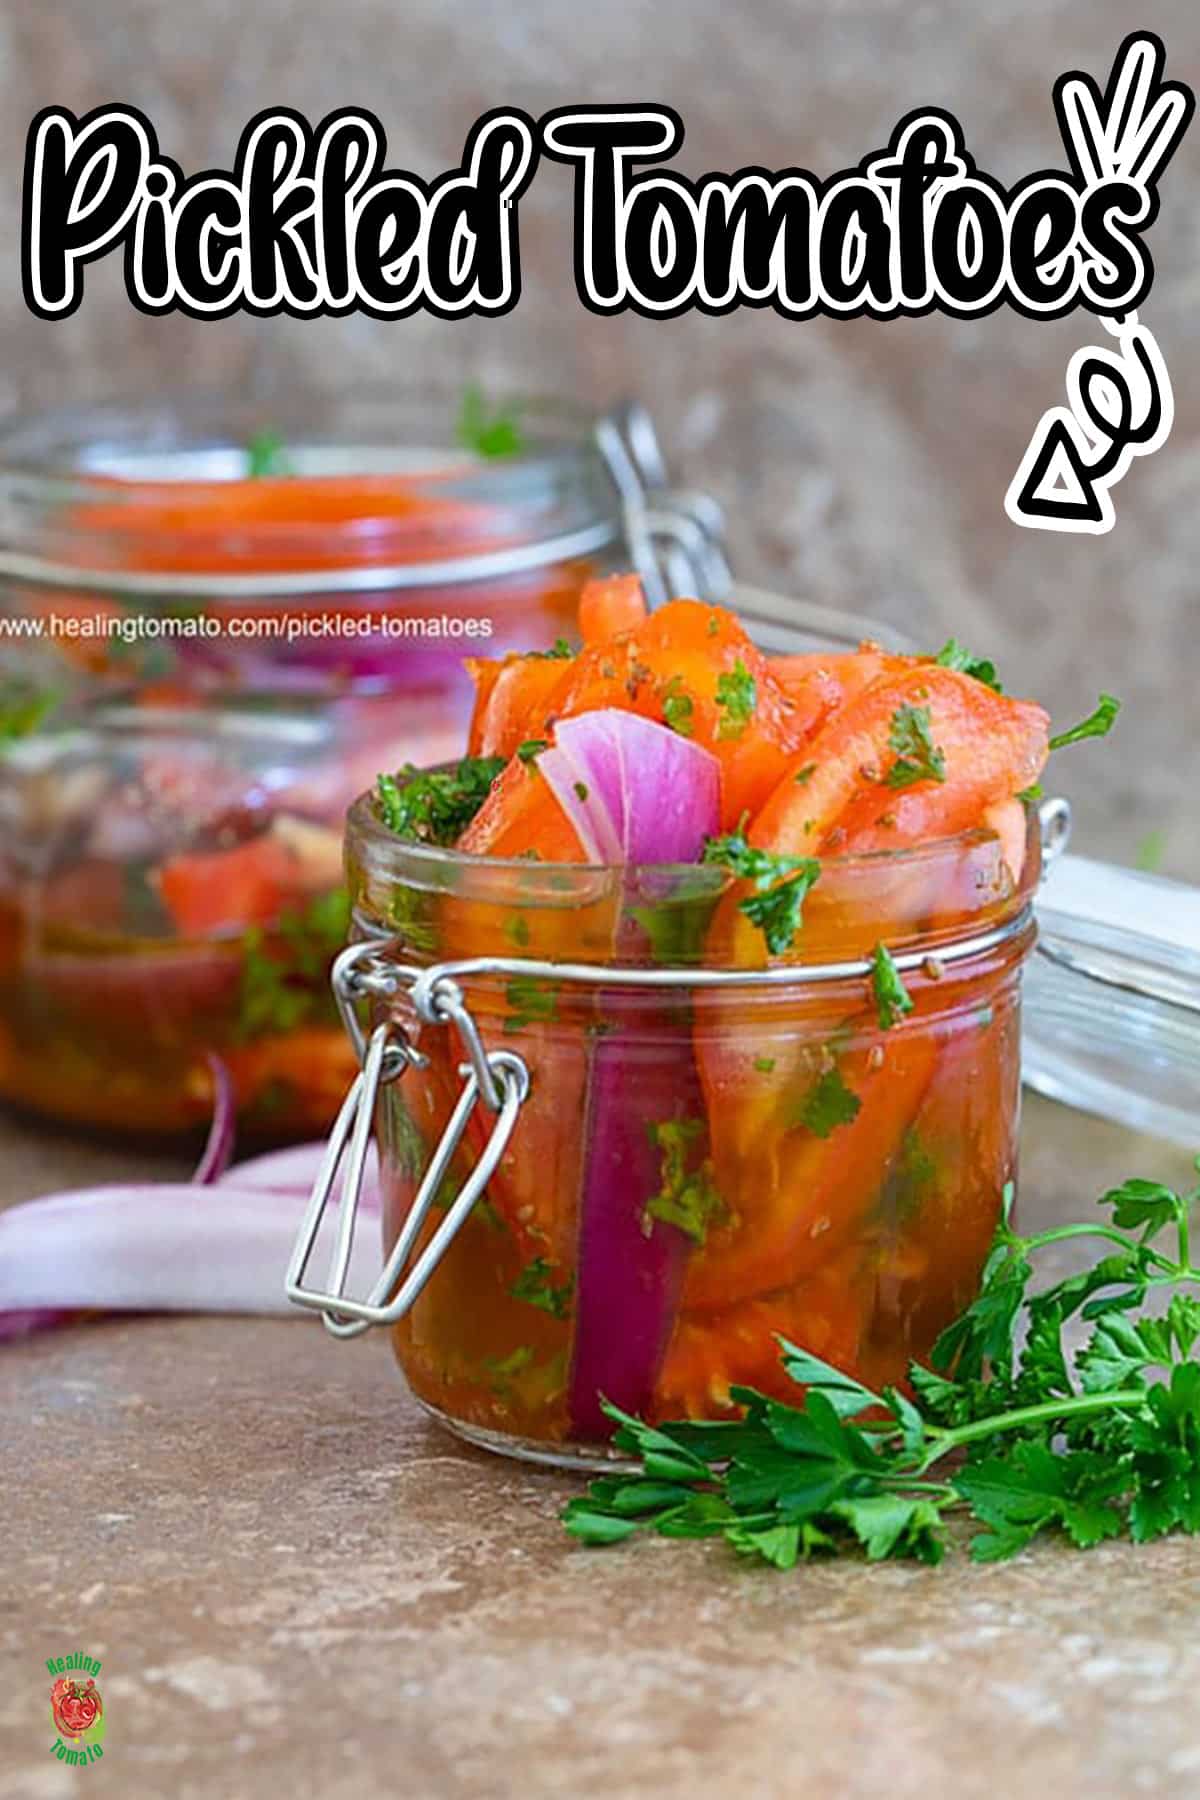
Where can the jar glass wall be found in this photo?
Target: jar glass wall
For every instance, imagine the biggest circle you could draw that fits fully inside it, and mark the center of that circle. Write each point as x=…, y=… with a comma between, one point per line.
x=178, y=580
x=700, y=1165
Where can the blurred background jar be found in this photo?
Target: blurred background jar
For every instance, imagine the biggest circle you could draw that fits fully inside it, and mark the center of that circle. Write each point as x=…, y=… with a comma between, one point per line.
x=215, y=630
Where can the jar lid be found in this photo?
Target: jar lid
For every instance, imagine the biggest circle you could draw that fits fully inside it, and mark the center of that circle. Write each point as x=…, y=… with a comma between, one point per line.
x=1112, y=997
x=97, y=502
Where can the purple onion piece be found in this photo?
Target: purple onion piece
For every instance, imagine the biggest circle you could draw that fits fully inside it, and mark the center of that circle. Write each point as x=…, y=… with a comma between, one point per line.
x=158, y=1247
x=630, y=1266
x=218, y=1149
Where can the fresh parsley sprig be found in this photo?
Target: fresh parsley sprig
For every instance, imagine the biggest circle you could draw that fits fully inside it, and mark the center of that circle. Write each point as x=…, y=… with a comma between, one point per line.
x=954, y=655
x=1006, y=1426
x=918, y=758
x=489, y=432
x=737, y=695
x=435, y=806
x=781, y=884
x=892, y=998
x=266, y=456
x=1097, y=724
x=535, y=1285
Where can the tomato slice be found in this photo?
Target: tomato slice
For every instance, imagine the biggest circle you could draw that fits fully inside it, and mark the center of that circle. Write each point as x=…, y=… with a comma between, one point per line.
x=796, y=1196
x=610, y=605
x=992, y=748
x=521, y=816
x=513, y=699
x=229, y=890
x=693, y=668
x=819, y=685
x=710, y=1352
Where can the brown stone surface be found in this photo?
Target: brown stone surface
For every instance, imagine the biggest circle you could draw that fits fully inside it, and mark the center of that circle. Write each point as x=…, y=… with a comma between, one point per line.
x=297, y=1584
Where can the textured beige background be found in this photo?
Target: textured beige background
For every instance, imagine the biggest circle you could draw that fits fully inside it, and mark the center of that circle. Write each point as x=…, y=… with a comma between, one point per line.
x=861, y=462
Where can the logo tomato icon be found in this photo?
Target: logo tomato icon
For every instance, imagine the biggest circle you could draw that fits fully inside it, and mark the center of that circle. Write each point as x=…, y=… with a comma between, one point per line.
x=75, y=1707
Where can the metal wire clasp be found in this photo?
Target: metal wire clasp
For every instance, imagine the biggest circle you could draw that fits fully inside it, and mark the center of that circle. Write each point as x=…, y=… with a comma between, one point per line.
x=496, y=1079
x=674, y=537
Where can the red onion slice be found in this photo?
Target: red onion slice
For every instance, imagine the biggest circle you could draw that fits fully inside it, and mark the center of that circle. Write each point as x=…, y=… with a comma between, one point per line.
x=597, y=831
x=642, y=1074
x=630, y=1268
x=218, y=1149
x=159, y=1247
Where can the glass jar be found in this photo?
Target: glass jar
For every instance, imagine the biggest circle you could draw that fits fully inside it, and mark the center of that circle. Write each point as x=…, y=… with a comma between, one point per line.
x=623, y=1173
x=237, y=630
x=330, y=544
x=171, y=891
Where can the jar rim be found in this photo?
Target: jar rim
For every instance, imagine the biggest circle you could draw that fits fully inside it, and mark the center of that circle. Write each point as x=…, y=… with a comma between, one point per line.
x=80, y=512
x=364, y=827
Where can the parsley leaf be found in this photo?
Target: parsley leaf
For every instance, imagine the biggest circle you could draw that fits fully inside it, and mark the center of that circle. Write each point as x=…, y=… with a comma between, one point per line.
x=917, y=756
x=23, y=707
x=559, y=651
x=781, y=884
x=678, y=707
x=1009, y=1428
x=534, y=1285
x=284, y=970
x=828, y=1104
x=688, y=1197
x=736, y=698
x=954, y=655
x=892, y=998
x=266, y=456
x=489, y=434
x=1097, y=724
x=435, y=806
x=533, y=1002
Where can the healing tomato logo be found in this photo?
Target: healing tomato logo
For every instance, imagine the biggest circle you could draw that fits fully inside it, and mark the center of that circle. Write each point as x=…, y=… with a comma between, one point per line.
x=75, y=1707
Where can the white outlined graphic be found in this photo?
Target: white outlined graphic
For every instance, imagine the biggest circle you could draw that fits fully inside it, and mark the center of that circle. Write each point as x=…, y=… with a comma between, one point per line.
x=1119, y=405
x=310, y=222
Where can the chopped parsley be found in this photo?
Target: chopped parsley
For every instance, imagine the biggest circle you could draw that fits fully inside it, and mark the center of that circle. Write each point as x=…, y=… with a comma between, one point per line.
x=805, y=775
x=678, y=707
x=516, y=930
x=892, y=998
x=532, y=1003
x=266, y=456
x=917, y=756
x=688, y=1198
x=492, y=434
x=781, y=884
x=736, y=697
x=1097, y=724
x=531, y=749
x=559, y=651
x=435, y=806
x=23, y=707
x=764, y=1064
x=581, y=791
x=535, y=1287
x=1031, y=795
x=828, y=1104
x=954, y=655
x=285, y=968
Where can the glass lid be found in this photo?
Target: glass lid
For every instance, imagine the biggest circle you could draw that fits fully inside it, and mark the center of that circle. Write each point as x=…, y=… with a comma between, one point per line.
x=1112, y=996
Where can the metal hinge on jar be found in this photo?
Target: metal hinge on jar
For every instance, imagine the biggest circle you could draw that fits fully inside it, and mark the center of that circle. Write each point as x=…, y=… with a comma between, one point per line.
x=495, y=1079
x=674, y=537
